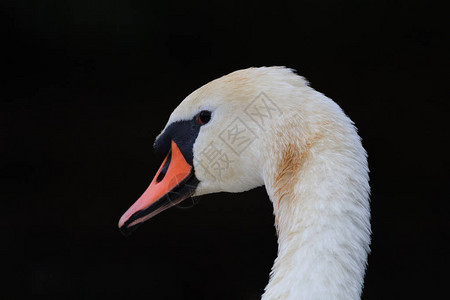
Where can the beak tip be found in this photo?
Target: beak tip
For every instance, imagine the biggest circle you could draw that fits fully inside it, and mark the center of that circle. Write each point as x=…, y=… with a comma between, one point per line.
x=121, y=222
x=122, y=227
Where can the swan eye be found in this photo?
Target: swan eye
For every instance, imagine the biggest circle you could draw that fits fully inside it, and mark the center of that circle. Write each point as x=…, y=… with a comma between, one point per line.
x=203, y=117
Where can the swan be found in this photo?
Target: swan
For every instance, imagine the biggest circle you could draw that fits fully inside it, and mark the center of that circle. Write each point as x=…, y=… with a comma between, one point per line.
x=267, y=126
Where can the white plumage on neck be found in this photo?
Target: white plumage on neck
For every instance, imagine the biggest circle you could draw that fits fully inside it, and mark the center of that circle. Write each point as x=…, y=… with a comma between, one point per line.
x=320, y=193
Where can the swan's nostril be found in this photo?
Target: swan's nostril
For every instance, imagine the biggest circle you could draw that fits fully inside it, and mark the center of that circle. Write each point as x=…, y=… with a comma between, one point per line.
x=160, y=176
x=164, y=169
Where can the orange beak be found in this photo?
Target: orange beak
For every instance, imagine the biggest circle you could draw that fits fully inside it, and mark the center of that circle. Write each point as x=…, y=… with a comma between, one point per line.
x=174, y=182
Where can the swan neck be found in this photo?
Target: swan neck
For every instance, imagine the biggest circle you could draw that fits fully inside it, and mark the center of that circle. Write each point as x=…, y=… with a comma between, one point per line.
x=320, y=192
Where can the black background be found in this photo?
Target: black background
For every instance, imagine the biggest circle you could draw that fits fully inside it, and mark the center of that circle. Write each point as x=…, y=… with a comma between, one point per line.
x=89, y=84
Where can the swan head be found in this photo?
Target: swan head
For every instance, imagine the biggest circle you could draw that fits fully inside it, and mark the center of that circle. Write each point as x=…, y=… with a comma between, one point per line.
x=214, y=140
